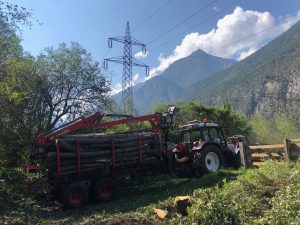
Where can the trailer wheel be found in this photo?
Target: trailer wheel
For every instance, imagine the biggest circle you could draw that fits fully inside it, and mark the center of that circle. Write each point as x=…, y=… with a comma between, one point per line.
x=75, y=195
x=208, y=160
x=104, y=189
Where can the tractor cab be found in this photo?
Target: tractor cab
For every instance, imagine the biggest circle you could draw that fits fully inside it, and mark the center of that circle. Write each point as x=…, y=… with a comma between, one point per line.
x=202, y=147
x=197, y=133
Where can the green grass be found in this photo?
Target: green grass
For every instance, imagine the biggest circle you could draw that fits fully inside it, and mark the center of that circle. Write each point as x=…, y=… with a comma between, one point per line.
x=33, y=205
x=268, y=195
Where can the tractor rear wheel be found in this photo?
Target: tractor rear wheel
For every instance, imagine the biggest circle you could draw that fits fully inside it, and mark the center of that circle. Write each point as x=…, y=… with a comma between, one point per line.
x=74, y=195
x=104, y=189
x=207, y=160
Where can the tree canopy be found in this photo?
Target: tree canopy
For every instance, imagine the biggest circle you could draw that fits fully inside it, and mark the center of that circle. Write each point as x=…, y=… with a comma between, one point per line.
x=38, y=93
x=70, y=83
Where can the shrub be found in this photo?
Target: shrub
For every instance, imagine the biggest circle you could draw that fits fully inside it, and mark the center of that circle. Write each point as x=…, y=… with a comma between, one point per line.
x=268, y=195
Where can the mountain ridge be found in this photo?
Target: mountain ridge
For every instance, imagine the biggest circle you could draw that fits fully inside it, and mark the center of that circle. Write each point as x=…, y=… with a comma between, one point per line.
x=245, y=84
x=170, y=85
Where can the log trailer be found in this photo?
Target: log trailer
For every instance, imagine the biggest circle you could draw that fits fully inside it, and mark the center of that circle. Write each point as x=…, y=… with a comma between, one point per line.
x=81, y=166
x=85, y=166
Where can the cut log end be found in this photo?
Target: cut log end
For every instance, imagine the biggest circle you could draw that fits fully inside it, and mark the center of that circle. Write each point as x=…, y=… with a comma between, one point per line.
x=161, y=213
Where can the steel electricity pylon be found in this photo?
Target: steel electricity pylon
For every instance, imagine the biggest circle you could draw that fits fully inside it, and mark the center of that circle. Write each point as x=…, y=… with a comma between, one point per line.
x=128, y=62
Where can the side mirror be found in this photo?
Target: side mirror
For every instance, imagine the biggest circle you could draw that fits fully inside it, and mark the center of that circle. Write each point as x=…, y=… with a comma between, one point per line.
x=171, y=110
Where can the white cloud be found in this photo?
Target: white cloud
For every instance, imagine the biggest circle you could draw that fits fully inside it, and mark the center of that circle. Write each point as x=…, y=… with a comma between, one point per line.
x=116, y=89
x=141, y=54
x=229, y=39
x=285, y=26
x=246, y=53
x=136, y=77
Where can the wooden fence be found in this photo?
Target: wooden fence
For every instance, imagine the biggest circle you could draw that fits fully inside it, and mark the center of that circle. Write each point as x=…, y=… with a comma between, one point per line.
x=255, y=155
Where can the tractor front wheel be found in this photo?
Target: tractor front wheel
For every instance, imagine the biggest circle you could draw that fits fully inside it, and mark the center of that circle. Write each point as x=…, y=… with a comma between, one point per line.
x=207, y=160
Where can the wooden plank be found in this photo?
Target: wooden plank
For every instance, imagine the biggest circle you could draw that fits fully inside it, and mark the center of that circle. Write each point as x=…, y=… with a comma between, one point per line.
x=253, y=147
x=266, y=154
x=243, y=154
x=286, y=149
x=269, y=150
x=261, y=155
x=296, y=144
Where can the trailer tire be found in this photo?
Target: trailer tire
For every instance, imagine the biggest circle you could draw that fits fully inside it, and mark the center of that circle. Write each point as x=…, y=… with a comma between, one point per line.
x=105, y=189
x=207, y=160
x=74, y=195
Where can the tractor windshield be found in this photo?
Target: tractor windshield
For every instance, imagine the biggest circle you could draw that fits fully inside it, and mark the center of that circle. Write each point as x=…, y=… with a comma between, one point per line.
x=209, y=134
x=186, y=137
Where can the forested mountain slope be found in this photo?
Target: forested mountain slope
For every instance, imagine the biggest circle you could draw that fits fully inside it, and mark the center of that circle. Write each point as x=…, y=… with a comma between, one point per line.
x=265, y=82
x=176, y=80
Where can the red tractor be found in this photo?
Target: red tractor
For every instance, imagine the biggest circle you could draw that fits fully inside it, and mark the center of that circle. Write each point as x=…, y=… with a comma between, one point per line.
x=204, y=149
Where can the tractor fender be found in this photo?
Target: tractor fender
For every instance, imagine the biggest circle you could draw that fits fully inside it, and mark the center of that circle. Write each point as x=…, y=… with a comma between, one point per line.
x=208, y=144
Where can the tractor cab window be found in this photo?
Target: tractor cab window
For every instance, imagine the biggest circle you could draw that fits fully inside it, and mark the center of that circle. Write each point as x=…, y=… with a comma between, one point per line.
x=214, y=135
x=195, y=135
x=205, y=134
x=211, y=134
x=186, y=137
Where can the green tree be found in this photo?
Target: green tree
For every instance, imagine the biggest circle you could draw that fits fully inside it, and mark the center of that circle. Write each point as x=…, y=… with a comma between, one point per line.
x=260, y=130
x=71, y=83
x=11, y=17
x=234, y=123
x=272, y=130
x=18, y=107
x=14, y=70
x=285, y=128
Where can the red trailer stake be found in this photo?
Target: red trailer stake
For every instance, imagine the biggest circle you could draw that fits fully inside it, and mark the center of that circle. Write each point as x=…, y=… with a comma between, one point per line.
x=57, y=157
x=140, y=149
x=113, y=159
x=78, y=159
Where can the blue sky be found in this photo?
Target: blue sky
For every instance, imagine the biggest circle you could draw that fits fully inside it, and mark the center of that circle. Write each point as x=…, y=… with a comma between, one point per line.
x=220, y=27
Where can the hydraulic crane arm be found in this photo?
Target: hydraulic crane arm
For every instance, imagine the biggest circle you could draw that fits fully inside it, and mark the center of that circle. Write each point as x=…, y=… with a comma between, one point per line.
x=158, y=122
x=82, y=122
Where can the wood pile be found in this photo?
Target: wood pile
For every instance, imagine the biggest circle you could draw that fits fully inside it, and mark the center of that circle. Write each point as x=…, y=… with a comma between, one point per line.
x=96, y=152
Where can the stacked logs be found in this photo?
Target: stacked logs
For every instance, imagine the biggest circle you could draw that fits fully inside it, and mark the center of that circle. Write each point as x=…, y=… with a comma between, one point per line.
x=96, y=152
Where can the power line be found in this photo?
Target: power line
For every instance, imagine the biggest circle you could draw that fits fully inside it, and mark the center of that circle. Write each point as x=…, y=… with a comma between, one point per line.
x=138, y=26
x=178, y=24
x=152, y=15
x=181, y=22
x=104, y=55
x=271, y=60
x=257, y=33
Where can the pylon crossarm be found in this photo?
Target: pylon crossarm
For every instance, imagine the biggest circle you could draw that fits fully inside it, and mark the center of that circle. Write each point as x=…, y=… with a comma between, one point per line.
x=136, y=42
x=118, y=39
x=115, y=59
x=136, y=62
